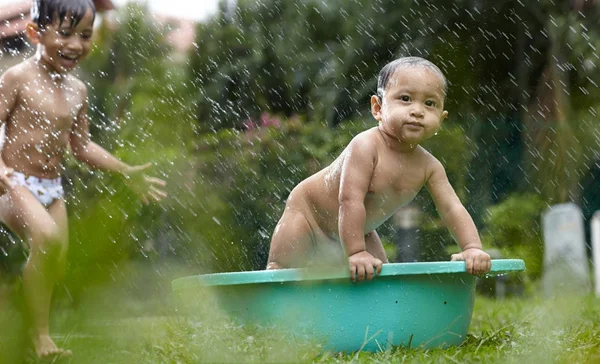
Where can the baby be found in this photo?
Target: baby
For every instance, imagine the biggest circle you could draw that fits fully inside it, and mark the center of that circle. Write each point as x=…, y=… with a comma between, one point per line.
x=381, y=170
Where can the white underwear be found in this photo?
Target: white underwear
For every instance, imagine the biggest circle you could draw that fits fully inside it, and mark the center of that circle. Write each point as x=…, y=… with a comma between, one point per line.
x=44, y=189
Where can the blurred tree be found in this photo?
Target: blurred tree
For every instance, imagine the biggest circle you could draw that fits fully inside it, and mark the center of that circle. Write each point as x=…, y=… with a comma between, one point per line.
x=139, y=112
x=515, y=71
x=556, y=128
x=252, y=172
x=259, y=57
x=275, y=89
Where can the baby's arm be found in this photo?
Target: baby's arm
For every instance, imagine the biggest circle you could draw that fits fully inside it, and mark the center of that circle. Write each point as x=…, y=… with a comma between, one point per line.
x=375, y=246
x=8, y=100
x=457, y=219
x=357, y=170
x=97, y=157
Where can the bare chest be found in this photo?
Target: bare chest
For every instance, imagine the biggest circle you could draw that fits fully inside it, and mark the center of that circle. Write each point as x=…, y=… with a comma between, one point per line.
x=396, y=181
x=48, y=107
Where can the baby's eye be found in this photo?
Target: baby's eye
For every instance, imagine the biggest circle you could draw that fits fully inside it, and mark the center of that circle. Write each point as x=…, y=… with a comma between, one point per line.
x=405, y=98
x=64, y=32
x=430, y=103
x=86, y=36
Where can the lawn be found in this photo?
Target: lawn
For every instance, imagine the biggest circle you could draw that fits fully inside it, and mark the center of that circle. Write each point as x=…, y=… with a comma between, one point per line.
x=119, y=325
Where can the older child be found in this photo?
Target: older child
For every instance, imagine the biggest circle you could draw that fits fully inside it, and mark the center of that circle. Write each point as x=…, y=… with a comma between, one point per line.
x=44, y=108
x=381, y=170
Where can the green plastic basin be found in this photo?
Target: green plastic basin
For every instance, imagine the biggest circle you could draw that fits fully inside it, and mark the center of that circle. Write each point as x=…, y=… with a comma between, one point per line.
x=408, y=304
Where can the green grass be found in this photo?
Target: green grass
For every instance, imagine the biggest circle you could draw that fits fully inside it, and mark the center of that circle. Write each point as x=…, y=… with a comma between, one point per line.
x=123, y=325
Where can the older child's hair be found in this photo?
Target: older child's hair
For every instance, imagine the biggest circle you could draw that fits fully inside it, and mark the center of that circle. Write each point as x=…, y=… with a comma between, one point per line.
x=388, y=70
x=44, y=12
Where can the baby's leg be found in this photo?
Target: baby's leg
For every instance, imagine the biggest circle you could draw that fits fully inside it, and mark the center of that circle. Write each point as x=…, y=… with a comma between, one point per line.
x=46, y=233
x=292, y=243
x=375, y=247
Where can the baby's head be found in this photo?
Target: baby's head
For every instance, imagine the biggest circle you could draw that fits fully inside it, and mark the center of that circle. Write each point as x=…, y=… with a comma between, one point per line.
x=406, y=62
x=409, y=104
x=62, y=30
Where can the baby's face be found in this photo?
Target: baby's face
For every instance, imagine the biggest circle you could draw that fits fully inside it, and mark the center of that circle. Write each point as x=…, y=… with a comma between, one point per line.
x=413, y=104
x=65, y=46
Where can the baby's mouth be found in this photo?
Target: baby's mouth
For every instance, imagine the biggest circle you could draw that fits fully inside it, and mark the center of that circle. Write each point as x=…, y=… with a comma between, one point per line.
x=414, y=124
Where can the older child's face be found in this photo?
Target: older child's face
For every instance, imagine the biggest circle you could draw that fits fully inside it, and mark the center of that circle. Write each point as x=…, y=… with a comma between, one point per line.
x=413, y=104
x=63, y=46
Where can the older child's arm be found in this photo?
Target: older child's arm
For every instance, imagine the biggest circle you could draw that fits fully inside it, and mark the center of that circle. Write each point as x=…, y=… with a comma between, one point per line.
x=457, y=219
x=97, y=157
x=357, y=170
x=8, y=100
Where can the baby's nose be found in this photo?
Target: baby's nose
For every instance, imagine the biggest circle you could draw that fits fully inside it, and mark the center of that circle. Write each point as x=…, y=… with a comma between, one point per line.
x=416, y=109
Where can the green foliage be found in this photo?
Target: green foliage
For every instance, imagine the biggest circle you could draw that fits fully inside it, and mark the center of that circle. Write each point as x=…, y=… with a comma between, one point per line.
x=258, y=57
x=127, y=54
x=212, y=127
x=251, y=174
x=514, y=226
x=320, y=60
x=139, y=112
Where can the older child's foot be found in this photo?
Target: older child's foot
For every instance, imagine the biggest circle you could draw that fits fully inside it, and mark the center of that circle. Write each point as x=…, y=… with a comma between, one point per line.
x=45, y=348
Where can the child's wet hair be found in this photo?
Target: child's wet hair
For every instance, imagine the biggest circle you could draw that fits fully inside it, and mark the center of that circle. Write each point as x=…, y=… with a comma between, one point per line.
x=388, y=70
x=44, y=12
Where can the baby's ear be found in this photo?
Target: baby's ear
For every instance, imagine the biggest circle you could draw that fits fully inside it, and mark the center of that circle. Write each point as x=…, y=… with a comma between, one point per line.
x=444, y=115
x=33, y=33
x=376, y=107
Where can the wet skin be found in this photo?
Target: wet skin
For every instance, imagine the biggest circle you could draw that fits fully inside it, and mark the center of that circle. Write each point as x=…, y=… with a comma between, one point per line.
x=44, y=109
x=380, y=171
x=38, y=128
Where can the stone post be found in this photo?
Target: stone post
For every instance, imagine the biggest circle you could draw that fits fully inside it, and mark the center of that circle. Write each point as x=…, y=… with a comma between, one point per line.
x=566, y=269
x=595, y=235
x=406, y=222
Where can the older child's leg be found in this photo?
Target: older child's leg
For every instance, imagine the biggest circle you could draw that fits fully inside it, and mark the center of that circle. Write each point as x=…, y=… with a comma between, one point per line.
x=291, y=243
x=58, y=211
x=47, y=239
x=375, y=247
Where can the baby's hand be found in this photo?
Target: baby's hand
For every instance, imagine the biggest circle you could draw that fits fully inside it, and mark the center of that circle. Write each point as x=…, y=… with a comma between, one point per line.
x=361, y=266
x=146, y=187
x=5, y=179
x=477, y=261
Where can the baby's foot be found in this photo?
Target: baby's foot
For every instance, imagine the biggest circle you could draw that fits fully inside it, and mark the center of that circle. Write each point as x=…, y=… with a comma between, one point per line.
x=273, y=265
x=45, y=348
